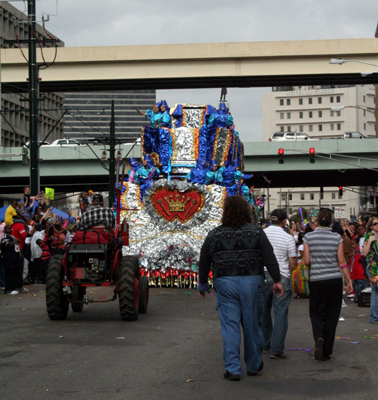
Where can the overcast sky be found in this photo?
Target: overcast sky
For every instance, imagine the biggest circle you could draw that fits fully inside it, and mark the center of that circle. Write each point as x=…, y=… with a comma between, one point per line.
x=130, y=22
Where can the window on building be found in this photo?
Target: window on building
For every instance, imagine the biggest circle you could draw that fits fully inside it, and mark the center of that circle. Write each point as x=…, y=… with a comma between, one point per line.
x=364, y=126
x=321, y=196
x=310, y=128
x=288, y=115
x=302, y=196
x=300, y=114
x=311, y=196
x=310, y=114
x=283, y=196
x=338, y=99
x=320, y=114
x=282, y=129
x=332, y=127
x=282, y=115
x=339, y=127
x=331, y=99
x=310, y=100
x=320, y=128
x=290, y=196
x=290, y=211
x=288, y=102
x=289, y=128
x=364, y=113
x=333, y=196
x=281, y=102
x=319, y=100
x=300, y=101
x=364, y=99
x=301, y=128
x=332, y=113
x=338, y=113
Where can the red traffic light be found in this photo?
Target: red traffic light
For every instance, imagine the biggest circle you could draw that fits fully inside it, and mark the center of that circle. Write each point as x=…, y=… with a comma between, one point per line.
x=340, y=191
x=340, y=188
x=281, y=152
x=312, y=155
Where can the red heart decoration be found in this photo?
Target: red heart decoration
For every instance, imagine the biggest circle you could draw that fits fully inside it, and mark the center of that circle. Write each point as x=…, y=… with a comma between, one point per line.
x=172, y=204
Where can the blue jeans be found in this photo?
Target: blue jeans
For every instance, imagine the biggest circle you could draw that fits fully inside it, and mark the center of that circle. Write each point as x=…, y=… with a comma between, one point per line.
x=274, y=336
x=358, y=286
x=240, y=300
x=373, y=302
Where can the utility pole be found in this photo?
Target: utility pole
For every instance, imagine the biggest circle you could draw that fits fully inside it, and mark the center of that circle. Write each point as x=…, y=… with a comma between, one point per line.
x=33, y=101
x=112, y=181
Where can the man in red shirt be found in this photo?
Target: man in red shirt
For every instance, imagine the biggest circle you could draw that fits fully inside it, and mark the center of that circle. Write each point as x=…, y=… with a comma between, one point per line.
x=19, y=232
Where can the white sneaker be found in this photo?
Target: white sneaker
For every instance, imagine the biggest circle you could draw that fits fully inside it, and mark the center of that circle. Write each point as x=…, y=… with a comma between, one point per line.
x=343, y=304
x=14, y=292
x=350, y=296
x=24, y=290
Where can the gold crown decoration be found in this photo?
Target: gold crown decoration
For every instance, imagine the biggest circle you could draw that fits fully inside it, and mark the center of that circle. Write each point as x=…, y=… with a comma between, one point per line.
x=177, y=205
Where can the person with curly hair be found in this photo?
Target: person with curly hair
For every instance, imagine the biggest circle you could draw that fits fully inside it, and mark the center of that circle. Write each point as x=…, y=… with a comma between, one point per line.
x=237, y=251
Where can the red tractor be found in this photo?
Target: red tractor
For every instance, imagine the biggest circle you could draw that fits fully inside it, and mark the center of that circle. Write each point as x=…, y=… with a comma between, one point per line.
x=90, y=264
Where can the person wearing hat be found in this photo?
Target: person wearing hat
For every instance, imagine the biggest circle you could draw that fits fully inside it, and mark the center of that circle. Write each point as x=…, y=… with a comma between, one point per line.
x=99, y=216
x=146, y=174
x=166, y=120
x=215, y=174
x=228, y=174
x=286, y=254
x=153, y=115
x=222, y=117
x=198, y=174
x=134, y=164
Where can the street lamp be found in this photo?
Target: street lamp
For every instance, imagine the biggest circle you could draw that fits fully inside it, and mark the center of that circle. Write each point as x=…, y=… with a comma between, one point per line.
x=341, y=61
x=339, y=108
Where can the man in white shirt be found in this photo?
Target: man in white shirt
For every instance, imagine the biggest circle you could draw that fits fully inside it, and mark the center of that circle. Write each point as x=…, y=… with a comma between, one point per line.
x=36, y=252
x=285, y=251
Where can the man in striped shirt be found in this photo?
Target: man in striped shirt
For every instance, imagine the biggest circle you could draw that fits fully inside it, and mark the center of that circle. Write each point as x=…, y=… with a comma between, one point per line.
x=285, y=251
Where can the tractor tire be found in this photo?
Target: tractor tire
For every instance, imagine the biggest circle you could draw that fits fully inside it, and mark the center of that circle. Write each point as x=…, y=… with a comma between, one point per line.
x=56, y=301
x=128, y=292
x=144, y=292
x=77, y=294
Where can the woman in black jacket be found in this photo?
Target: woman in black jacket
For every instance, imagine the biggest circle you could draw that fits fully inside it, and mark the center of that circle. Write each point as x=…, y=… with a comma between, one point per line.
x=237, y=252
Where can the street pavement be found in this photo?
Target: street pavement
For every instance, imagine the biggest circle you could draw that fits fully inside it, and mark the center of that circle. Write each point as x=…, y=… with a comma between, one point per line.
x=174, y=351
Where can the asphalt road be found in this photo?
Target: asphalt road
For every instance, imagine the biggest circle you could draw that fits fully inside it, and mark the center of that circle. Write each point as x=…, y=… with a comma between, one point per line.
x=172, y=352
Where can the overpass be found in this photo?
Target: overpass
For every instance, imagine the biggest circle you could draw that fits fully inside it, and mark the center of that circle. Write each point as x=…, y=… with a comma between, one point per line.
x=350, y=162
x=248, y=64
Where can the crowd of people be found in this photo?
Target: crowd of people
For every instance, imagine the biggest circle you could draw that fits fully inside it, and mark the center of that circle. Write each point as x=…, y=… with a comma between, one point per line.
x=253, y=269
x=29, y=236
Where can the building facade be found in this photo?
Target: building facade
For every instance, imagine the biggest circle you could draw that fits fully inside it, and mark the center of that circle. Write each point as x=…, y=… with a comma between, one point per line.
x=345, y=206
x=89, y=113
x=321, y=112
x=308, y=109
x=12, y=25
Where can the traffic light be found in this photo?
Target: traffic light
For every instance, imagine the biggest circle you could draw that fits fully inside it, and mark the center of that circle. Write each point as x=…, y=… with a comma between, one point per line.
x=25, y=159
x=340, y=191
x=312, y=155
x=281, y=156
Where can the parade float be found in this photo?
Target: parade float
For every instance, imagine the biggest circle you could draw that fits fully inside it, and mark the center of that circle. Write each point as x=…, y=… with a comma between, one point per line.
x=176, y=199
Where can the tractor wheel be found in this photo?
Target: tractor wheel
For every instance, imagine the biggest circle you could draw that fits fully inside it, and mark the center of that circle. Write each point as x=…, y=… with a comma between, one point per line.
x=77, y=294
x=144, y=291
x=128, y=290
x=56, y=301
